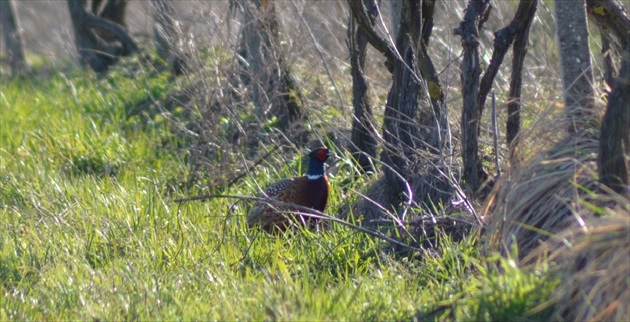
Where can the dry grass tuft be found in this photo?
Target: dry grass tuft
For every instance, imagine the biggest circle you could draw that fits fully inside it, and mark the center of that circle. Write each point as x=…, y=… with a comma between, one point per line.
x=594, y=264
x=533, y=202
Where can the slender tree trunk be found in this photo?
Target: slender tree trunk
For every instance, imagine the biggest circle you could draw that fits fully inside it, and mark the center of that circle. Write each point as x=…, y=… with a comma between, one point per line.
x=614, y=157
x=114, y=10
x=516, y=32
x=613, y=22
x=614, y=142
x=273, y=88
x=363, y=131
x=440, y=140
x=100, y=41
x=612, y=19
x=415, y=112
x=476, y=14
x=519, y=51
x=400, y=125
x=396, y=6
x=610, y=70
x=575, y=63
x=12, y=38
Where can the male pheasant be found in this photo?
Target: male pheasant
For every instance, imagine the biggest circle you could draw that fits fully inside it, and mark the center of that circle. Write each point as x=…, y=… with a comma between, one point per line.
x=310, y=190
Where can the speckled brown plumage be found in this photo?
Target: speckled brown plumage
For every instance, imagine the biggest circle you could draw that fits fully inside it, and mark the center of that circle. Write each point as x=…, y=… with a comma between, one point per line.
x=309, y=191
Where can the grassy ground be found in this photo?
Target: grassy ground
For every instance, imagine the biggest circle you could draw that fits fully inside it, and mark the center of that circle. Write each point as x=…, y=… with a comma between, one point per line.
x=89, y=230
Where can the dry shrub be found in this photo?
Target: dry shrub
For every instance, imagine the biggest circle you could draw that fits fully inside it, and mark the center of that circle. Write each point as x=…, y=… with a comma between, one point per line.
x=427, y=224
x=429, y=216
x=594, y=263
x=431, y=187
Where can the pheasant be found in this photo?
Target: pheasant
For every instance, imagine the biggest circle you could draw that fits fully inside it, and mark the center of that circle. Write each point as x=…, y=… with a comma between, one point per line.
x=310, y=190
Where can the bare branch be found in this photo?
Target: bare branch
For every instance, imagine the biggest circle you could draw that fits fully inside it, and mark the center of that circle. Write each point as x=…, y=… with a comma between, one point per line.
x=305, y=211
x=476, y=13
x=519, y=50
x=612, y=18
x=88, y=20
x=362, y=17
x=503, y=39
x=614, y=141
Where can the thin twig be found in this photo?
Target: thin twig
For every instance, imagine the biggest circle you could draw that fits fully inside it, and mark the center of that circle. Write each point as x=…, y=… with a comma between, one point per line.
x=495, y=135
x=260, y=160
x=321, y=55
x=307, y=212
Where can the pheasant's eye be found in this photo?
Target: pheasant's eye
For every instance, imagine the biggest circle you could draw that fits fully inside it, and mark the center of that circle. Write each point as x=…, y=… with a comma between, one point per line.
x=322, y=154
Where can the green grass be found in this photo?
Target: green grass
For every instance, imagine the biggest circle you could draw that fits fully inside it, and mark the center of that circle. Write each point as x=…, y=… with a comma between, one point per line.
x=89, y=230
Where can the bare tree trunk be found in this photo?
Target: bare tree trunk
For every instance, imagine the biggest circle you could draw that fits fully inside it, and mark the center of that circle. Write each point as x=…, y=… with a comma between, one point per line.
x=400, y=125
x=517, y=32
x=477, y=13
x=519, y=51
x=113, y=10
x=12, y=38
x=614, y=142
x=612, y=19
x=167, y=33
x=440, y=140
x=273, y=88
x=614, y=25
x=100, y=41
x=396, y=6
x=610, y=70
x=575, y=63
x=415, y=125
x=363, y=131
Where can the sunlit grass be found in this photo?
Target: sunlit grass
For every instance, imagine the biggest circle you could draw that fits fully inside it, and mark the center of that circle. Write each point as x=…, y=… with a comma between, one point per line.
x=90, y=229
